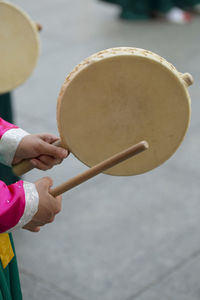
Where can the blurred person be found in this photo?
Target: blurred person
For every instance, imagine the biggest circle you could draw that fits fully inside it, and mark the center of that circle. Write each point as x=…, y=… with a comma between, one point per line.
x=172, y=10
x=22, y=204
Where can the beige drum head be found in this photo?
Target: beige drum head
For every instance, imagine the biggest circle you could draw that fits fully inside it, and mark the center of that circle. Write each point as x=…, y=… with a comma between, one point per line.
x=117, y=98
x=19, y=46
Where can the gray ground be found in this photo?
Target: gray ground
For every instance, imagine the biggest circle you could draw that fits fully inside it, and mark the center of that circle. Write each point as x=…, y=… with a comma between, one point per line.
x=116, y=238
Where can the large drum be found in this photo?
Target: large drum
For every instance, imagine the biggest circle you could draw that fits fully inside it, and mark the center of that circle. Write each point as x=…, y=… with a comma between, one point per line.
x=19, y=46
x=118, y=97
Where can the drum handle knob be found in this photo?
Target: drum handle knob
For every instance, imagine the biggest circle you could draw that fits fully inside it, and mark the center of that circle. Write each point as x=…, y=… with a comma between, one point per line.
x=38, y=27
x=187, y=78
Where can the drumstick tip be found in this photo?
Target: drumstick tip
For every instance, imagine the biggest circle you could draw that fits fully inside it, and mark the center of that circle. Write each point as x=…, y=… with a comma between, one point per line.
x=145, y=145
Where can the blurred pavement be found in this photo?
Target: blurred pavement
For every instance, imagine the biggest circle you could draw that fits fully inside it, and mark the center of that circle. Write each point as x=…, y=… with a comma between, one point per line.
x=116, y=238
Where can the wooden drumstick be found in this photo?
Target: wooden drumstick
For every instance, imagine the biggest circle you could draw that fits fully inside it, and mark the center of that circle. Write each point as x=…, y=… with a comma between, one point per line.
x=25, y=165
x=99, y=168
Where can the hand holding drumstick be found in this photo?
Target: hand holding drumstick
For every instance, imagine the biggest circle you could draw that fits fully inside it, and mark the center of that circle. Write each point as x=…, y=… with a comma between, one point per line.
x=48, y=206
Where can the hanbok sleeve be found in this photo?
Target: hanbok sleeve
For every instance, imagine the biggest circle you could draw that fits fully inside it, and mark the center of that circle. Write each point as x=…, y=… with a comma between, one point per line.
x=18, y=201
x=10, y=137
x=18, y=204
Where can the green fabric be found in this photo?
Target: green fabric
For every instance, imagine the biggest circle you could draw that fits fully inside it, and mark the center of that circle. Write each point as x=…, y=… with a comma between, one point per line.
x=9, y=280
x=6, y=113
x=134, y=9
x=166, y=5
x=163, y=6
x=186, y=4
x=138, y=9
x=9, y=277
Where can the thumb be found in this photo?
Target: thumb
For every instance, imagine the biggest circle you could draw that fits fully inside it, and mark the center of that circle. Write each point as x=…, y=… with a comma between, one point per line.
x=51, y=150
x=47, y=182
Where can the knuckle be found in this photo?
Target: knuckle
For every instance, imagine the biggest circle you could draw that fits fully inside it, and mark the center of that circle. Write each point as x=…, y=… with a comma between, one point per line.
x=48, y=217
x=59, y=161
x=42, y=158
x=39, y=145
x=35, y=229
x=52, y=219
x=51, y=164
x=56, y=162
x=40, y=167
x=48, y=180
x=43, y=167
x=46, y=168
x=57, y=208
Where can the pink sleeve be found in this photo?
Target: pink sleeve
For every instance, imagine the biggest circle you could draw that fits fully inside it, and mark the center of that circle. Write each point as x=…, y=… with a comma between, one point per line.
x=12, y=204
x=10, y=137
x=18, y=201
x=12, y=198
x=5, y=126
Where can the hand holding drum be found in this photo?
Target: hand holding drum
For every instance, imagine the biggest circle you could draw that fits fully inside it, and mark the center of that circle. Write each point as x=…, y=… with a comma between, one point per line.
x=117, y=98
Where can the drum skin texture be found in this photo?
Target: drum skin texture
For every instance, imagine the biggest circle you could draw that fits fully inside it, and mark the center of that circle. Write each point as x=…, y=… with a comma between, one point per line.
x=19, y=46
x=118, y=97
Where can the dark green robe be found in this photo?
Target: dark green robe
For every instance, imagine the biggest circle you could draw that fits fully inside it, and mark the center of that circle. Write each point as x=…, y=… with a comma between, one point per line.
x=9, y=277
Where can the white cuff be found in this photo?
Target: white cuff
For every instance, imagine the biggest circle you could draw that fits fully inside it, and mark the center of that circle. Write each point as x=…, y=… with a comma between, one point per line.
x=9, y=143
x=31, y=205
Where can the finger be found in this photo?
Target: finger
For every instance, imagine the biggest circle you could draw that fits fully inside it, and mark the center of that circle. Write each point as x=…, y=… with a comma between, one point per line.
x=49, y=138
x=32, y=228
x=35, y=229
x=51, y=220
x=58, y=204
x=49, y=160
x=49, y=149
x=47, y=181
x=39, y=164
x=59, y=198
x=35, y=222
x=43, y=145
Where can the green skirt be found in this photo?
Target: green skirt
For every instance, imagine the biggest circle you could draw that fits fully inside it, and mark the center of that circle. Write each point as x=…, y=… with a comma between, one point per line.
x=9, y=277
x=9, y=280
